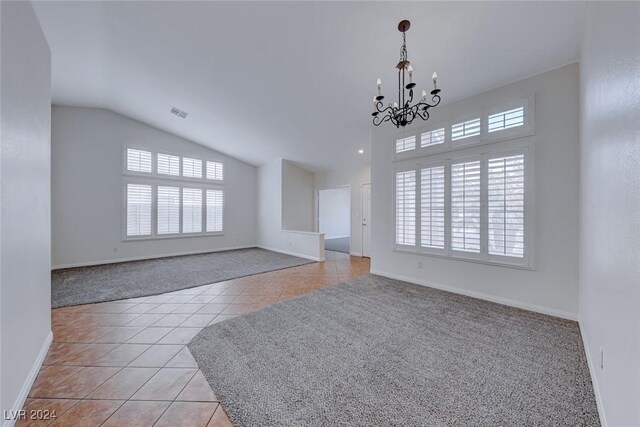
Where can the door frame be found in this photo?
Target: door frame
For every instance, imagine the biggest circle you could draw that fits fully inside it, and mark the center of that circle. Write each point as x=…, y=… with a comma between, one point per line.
x=362, y=207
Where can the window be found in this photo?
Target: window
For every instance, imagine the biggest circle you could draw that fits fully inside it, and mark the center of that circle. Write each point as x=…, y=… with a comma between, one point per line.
x=406, y=208
x=191, y=168
x=406, y=144
x=465, y=129
x=168, y=164
x=465, y=207
x=191, y=210
x=469, y=207
x=215, y=171
x=175, y=199
x=506, y=206
x=432, y=207
x=433, y=137
x=138, y=210
x=506, y=119
x=168, y=210
x=138, y=161
x=215, y=201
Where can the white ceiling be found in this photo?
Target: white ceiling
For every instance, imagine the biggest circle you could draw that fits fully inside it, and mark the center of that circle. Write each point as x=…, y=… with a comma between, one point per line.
x=268, y=80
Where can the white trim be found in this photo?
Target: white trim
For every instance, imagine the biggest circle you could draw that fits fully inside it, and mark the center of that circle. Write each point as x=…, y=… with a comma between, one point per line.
x=336, y=237
x=594, y=378
x=31, y=378
x=355, y=254
x=142, y=258
x=480, y=295
x=312, y=258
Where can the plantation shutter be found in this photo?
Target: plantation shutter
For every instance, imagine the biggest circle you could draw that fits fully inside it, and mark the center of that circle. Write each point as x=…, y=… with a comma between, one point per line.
x=405, y=144
x=465, y=206
x=432, y=207
x=168, y=210
x=191, y=210
x=506, y=206
x=433, y=137
x=168, y=164
x=406, y=208
x=138, y=210
x=465, y=129
x=506, y=119
x=215, y=201
x=138, y=160
x=191, y=168
x=215, y=171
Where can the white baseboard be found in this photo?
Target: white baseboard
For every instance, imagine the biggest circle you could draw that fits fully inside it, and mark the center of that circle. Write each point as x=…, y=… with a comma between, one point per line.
x=594, y=379
x=480, y=295
x=31, y=378
x=142, y=258
x=336, y=237
x=355, y=254
x=312, y=258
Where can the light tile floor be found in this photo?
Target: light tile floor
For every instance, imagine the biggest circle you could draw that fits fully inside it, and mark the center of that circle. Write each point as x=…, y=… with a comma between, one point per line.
x=125, y=363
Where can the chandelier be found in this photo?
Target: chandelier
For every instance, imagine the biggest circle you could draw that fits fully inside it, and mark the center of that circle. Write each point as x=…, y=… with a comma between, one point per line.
x=402, y=113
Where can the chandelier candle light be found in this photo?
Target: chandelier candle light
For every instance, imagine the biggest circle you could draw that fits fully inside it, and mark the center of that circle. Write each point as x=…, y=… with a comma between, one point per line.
x=402, y=116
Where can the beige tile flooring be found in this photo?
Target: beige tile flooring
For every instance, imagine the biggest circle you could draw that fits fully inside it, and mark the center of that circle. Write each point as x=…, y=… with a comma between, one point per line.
x=125, y=363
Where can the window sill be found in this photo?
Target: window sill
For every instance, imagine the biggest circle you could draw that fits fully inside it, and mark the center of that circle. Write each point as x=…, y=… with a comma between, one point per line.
x=528, y=267
x=171, y=236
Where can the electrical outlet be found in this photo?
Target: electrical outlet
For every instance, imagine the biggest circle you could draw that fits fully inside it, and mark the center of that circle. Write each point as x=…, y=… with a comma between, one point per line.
x=601, y=359
x=419, y=264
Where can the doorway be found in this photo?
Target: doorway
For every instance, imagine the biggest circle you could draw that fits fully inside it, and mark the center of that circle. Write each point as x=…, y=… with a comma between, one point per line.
x=334, y=218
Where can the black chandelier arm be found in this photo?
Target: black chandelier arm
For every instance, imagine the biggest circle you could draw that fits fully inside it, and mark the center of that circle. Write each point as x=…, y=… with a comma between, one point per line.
x=378, y=120
x=382, y=110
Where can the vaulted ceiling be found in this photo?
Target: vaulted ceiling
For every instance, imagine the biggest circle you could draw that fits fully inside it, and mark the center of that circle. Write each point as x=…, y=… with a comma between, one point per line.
x=268, y=80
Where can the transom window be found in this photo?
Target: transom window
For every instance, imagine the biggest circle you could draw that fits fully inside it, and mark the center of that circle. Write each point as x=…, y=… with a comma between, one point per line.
x=465, y=129
x=506, y=119
x=433, y=137
x=406, y=144
x=511, y=120
x=138, y=161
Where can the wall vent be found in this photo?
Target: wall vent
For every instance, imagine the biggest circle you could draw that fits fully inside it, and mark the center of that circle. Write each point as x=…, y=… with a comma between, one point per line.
x=178, y=112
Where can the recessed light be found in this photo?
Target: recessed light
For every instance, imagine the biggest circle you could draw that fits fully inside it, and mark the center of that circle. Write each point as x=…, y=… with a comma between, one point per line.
x=361, y=151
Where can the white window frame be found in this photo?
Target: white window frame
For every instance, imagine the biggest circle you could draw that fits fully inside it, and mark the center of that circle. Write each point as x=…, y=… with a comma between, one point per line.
x=154, y=166
x=206, y=168
x=417, y=235
x=154, y=179
x=482, y=153
x=167, y=176
x=527, y=129
x=125, y=161
x=447, y=207
x=154, y=183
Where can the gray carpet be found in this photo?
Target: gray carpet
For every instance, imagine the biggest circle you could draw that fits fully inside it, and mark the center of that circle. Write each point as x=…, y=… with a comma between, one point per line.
x=84, y=285
x=379, y=352
x=337, y=245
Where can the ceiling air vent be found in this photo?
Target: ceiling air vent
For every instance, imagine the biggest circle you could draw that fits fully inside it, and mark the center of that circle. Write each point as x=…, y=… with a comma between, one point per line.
x=178, y=112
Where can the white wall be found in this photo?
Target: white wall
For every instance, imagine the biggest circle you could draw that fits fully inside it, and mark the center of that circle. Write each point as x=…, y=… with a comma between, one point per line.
x=297, y=198
x=87, y=189
x=610, y=206
x=334, y=212
x=270, y=208
x=25, y=204
x=553, y=286
x=354, y=177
